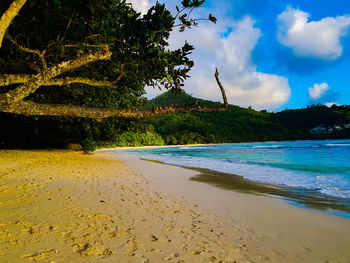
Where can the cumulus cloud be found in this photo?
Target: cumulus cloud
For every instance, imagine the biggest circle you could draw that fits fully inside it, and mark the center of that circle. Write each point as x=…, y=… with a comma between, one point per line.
x=140, y=5
x=232, y=54
x=318, y=90
x=318, y=39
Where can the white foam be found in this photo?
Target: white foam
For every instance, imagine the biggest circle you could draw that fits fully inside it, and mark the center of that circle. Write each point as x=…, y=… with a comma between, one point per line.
x=328, y=184
x=270, y=146
x=338, y=144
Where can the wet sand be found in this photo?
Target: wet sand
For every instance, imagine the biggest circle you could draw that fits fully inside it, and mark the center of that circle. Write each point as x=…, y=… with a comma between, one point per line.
x=308, y=198
x=264, y=227
x=60, y=206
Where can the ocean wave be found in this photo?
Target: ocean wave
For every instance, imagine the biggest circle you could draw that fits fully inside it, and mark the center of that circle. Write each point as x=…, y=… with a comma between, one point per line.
x=269, y=146
x=337, y=144
x=325, y=184
x=285, y=146
x=334, y=186
x=325, y=169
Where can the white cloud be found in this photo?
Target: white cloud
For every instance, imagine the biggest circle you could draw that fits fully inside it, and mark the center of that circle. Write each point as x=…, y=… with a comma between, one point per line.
x=140, y=5
x=318, y=90
x=319, y=39
x=244, y=85
x=330, y=104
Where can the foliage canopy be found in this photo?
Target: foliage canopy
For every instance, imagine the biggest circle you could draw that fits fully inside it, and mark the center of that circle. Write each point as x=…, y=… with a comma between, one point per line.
x=102, y=47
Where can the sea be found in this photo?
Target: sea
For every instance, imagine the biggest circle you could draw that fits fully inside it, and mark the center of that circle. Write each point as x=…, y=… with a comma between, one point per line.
x=306, y=173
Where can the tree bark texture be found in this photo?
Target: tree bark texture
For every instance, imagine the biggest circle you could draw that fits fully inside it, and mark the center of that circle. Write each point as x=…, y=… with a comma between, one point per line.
x=10, y=79
x=29, y=87
x=31, y=108
x=8, y=16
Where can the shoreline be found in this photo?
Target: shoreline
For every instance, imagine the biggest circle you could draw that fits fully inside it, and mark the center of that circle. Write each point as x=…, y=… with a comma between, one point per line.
x=286, y=233
x=203, y=144
x=70, y=207
x=308, y=198
x=298, y=196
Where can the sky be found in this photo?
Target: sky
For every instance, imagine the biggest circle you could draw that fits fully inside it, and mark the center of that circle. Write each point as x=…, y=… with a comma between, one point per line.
x=271, y=54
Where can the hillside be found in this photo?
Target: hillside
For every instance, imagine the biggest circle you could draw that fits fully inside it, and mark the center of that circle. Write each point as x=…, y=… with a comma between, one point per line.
x=181, y=99
x=242, y=125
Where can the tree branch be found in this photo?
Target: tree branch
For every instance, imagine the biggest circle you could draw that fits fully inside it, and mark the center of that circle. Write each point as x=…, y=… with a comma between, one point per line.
x=86, y=81
x=122, y=72
x=6, y=80
x=179, y=25
x=30, y=108
x=10, y=79
x=43, y=77
x=8, y=16
x=41, y=54
x=221, y=88
x=12, y=101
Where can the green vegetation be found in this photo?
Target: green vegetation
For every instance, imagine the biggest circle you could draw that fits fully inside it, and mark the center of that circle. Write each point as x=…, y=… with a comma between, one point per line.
x=244, y=125
x=236, y=125
x=89, y=58
x=139, y=139
x=73, y=59
x=88, y=145
x=69, y=69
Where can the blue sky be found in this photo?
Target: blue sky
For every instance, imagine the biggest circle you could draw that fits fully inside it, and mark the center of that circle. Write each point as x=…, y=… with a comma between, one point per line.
x=271, y=54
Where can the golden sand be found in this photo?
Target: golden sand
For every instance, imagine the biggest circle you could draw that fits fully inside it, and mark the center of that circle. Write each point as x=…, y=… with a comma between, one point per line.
x=70, y=207
x=61, y=206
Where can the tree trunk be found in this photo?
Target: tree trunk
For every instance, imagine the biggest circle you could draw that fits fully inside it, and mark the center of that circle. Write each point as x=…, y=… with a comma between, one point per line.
x=8, y=16
x=29, y=87
x=31, y=108
x=221, y=88
x=12, y=101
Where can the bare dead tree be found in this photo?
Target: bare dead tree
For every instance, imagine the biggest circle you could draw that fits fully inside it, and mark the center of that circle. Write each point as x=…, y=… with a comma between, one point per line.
x=221, y=88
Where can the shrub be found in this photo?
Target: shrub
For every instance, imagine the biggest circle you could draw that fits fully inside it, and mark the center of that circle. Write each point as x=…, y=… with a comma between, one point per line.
x=139, y=139
x=89, y=145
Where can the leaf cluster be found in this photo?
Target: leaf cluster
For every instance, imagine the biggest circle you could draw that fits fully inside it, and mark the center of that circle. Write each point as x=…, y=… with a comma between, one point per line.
x=67, y=29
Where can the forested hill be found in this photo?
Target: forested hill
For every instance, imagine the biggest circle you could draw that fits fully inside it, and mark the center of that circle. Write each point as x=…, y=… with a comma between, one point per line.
x=235, y=125
x=182, y=99
x=240, y=124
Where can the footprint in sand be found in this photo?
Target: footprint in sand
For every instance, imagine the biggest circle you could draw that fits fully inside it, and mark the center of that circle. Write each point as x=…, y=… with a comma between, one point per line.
x=42, y=254
x=154, y=238
x=94, y=249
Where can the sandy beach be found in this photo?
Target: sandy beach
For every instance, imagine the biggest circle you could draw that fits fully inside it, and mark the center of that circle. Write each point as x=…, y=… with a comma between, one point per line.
x=61, y=206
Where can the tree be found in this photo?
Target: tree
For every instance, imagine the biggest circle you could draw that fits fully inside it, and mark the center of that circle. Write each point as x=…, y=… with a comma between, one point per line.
x=8, y=16
x=55, y=45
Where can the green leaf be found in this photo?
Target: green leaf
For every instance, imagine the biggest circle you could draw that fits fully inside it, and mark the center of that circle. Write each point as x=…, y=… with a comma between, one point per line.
x=212, y=18
x=186, y=3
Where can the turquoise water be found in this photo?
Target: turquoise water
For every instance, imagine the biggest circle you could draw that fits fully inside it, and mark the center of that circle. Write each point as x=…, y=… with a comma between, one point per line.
x=322, y=166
